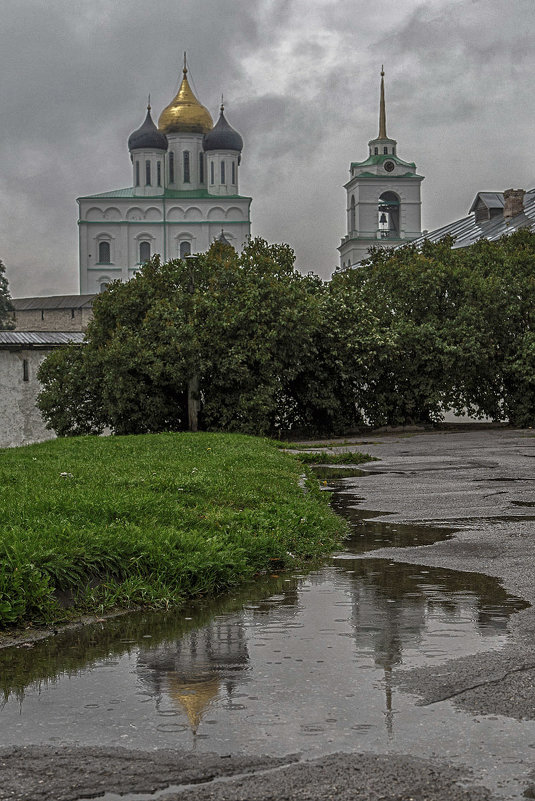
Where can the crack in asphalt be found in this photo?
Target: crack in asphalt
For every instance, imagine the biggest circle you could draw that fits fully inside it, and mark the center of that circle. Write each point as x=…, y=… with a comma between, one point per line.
x=182, y=788
x=497, y=680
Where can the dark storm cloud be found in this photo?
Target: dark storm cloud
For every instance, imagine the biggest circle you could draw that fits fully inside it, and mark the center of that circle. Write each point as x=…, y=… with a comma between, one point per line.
x=301, y=82
x=461, y=57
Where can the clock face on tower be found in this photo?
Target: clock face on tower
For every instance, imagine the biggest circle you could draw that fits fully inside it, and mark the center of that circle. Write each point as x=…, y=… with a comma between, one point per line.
x=389, y=166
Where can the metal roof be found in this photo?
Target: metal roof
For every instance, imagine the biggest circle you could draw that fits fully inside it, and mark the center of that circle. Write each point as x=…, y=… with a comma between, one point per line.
x=54, y=302
x=492, y=200
x=39, y=339
x=466, y=231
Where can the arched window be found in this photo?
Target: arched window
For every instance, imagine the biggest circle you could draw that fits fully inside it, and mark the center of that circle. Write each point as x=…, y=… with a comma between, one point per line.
x=171, y=168
x=233, y=172
x=103, y=286
x=137, y=173
x=352, y=214
x=212, y=176
x=185, y=157
x=201, y=168
x=104, y=252
x=222, y=172
x=159, y=173
x=147, y=173
x=388, y=215
x=144, y=252
x=185, y=249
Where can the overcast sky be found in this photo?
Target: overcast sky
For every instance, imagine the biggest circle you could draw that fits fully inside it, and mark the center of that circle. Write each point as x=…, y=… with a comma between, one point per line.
x=301, y=83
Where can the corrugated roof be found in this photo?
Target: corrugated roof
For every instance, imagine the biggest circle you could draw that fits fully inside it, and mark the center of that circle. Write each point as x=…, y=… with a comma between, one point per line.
x=466, y=231
x=54, y=302
x=39, y=339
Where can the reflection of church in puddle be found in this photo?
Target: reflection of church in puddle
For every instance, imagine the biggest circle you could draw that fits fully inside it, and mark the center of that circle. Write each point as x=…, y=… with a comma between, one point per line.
x=393, y=606
x=201, y=667
x=206, y=664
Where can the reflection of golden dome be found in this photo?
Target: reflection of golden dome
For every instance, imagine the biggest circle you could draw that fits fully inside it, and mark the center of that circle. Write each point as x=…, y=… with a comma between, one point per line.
x=194, y=697
x=184, y=114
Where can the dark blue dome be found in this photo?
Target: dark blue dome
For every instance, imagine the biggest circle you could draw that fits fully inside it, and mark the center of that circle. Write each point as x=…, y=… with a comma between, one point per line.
x=222, y=239
x=222, y=136
x=148, y=137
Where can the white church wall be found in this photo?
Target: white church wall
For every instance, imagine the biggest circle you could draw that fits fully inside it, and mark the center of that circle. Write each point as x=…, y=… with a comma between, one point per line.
x=216, y=173
x=21, y=422
x=178, y=145
x=193, y=213
x=148, y=172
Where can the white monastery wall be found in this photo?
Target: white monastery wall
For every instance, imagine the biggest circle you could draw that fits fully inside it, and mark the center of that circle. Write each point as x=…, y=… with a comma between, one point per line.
x=21, y=422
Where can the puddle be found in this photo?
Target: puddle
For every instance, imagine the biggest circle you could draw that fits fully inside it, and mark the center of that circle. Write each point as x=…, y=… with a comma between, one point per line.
x=296, y=663
x=327, y=473
x=369, y=535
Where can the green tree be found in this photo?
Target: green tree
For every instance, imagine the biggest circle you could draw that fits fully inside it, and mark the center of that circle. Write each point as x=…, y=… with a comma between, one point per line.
x=6, y=307
x=454, y=329
x=396, y=355
x=241, y=325
x=263, y=349
x=502, y=279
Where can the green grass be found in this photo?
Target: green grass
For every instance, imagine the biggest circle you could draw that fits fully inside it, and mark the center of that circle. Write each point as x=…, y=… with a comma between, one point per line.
x=95, y=523
x=348, y=457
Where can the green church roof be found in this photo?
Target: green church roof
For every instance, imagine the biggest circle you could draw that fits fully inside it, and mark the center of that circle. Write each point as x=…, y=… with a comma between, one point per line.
x=193, y=194
x=382, y=158
x=374, y=175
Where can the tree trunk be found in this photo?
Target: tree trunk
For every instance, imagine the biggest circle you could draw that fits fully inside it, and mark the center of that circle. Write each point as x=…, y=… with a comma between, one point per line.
x=193, y=403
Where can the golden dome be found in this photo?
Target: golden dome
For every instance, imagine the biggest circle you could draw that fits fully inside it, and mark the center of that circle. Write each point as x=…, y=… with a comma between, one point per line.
x=185, y=114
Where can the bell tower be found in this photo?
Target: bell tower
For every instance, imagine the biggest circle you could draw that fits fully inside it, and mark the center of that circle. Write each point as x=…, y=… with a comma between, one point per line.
x=383, y=197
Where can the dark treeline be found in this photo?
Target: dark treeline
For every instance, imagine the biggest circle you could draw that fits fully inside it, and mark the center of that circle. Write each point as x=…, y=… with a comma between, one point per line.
x=268, y=350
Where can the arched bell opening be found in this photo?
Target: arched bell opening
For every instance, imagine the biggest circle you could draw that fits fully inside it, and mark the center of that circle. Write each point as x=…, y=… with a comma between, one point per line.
x=388, y=215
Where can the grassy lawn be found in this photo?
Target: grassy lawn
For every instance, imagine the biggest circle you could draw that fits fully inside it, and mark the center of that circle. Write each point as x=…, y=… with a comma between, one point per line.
x=96, y=523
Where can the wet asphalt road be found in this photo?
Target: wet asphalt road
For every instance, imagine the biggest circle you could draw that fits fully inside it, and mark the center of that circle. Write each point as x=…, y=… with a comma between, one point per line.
x=482, y=482
x=69, y=774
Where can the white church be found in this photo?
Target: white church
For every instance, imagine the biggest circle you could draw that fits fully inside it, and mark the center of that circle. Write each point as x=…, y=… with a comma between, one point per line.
x=383, y=198
x=184, y=195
